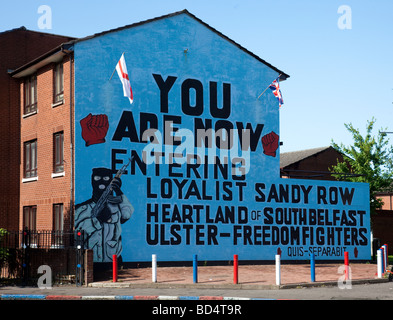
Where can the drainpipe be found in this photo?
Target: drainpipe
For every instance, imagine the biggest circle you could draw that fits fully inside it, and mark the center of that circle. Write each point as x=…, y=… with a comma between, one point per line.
x=69, y=53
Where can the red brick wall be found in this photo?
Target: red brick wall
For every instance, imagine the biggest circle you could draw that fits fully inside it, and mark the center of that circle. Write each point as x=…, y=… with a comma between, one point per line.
x=382, y=226
x=17, y=47
x=387, y=200
x=47, y=190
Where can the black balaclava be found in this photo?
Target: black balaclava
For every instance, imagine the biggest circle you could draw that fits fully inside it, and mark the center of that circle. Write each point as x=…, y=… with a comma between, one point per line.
x=100, y=180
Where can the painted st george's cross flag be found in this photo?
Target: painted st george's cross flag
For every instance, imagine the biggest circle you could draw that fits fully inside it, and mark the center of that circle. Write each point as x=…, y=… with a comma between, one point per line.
x=121, y=69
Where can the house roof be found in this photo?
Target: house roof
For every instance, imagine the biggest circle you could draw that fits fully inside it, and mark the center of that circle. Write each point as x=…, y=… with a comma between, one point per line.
x=23, y=69
x=288, y=158
x=54, y=55
x=46, y=34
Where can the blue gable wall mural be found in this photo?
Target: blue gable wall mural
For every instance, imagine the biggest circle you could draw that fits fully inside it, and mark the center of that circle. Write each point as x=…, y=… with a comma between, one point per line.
x=199, y=153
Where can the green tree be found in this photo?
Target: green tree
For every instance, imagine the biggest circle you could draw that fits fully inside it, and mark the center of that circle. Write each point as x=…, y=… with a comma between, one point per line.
x=369, y=160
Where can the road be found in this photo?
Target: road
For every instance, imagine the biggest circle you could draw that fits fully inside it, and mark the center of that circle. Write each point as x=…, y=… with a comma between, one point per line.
x=352, y=301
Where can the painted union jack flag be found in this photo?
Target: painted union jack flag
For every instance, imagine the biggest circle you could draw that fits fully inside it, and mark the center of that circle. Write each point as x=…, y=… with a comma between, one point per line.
x=275, y=86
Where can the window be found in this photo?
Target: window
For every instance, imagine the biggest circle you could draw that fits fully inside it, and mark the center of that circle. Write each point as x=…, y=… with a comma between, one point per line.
x=58, y=217
x=58, y=152
x=30, y=223
x=58, y=88
x=57, y=239
x=30, y=159
x=30, y=94
x=30, y=217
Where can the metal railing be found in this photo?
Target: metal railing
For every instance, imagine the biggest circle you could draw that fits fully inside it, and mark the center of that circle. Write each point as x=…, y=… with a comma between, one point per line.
x=21, y=252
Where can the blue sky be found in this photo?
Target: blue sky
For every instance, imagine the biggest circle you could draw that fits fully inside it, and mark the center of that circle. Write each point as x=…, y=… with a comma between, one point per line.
x=337, y=76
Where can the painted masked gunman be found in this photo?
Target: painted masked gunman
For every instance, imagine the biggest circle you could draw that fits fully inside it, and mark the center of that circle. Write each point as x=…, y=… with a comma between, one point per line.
x=101, y=216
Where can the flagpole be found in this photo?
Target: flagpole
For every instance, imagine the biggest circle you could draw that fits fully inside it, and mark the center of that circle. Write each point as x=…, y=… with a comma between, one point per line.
x=115, y=68
x=263, y=91
x=112, y=74
x=267, y=88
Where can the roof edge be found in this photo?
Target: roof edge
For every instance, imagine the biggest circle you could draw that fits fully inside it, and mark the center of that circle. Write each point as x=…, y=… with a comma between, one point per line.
x=317, y=151
x=60, y=49
x=132, y=25
x=283, y=76
x=23, y=28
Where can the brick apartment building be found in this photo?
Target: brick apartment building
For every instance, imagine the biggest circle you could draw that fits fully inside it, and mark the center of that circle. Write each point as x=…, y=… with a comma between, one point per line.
x=17, y=47
x=46, y=141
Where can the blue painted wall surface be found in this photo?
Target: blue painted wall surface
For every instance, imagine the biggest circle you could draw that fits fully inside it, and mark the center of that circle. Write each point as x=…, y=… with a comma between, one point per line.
x=181, y=210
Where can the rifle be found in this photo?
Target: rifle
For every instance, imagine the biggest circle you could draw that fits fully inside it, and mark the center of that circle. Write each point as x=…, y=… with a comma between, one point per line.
x=105, y=195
